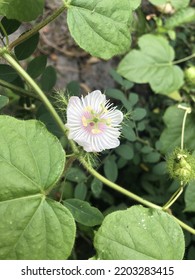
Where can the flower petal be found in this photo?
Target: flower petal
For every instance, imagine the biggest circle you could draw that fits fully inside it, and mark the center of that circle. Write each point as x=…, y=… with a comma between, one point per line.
x=94, y=100
x=116, y=117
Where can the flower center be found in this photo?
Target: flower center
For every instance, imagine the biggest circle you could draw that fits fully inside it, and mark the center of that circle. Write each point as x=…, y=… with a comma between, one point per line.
x=94, y=121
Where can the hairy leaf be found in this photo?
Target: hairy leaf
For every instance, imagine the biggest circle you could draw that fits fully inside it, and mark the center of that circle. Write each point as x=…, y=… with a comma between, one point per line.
x=21, y=10
x=31, y=162
x=139, y=234
x=152, y=64
x=100, y=27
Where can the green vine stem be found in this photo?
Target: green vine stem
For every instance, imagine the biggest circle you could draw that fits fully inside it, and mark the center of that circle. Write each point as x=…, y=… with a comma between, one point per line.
x=117, y=187
x=5, y=54
x=184, y=59
x=37, y=27
x=18, y=90
x=35, y=87
x=173, y=198
x=184, y=226
x=4, y=33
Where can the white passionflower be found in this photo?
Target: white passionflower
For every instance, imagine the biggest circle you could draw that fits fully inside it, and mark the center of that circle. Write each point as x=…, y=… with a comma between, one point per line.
x=93, y=123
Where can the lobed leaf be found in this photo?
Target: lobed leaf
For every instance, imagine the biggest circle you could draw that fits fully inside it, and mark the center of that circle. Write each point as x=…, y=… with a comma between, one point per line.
x=100, y=27
x=152, y=64
x=31, y=162
x=21, y=10
x=139, y=233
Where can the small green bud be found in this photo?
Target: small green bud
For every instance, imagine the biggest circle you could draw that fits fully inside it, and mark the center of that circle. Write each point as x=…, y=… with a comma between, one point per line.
x=190, y=75
x=181, y=165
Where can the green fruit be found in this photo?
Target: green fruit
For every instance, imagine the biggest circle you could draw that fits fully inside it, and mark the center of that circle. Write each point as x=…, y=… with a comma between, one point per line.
x=190, y=75
x=181, y=165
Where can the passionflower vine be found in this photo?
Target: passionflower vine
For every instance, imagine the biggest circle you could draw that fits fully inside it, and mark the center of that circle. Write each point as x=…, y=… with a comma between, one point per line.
x=93, y=122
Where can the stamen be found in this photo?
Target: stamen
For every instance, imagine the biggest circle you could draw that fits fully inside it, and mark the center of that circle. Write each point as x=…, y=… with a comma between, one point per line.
x=89, y=109
x=84, y=121
x=96, y=131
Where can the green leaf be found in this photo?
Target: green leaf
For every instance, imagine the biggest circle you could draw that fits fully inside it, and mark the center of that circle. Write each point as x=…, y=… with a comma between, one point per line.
x=80, y=191
x=134, y=4
x=48, y=79
x=4, y=100
x=31, y=162
x=124, y=83
x=133, y=98
x=171, y=135
x=7, y=73
x=146, y=149
x=75, y=174
x=151, y=157
x=181, y=17
x=110, y=168
x=37, y=66
x=116, y=94
x=125, y=151
x=100, y=27
x=141, y=125
x=33, y=227
x=139, y=114
x=139, y=234
x=128, y=132
x=190, y=197
x=158, y=2
x=160, y=168
x=45, y=116
x=84, y=213
x=96, y=187
x=10, y=25
x=26, y=48
x=119, y=95
x=152, y=62
x=67, y=189
x=21, y=10
x=73, y=88
x=179, y=4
